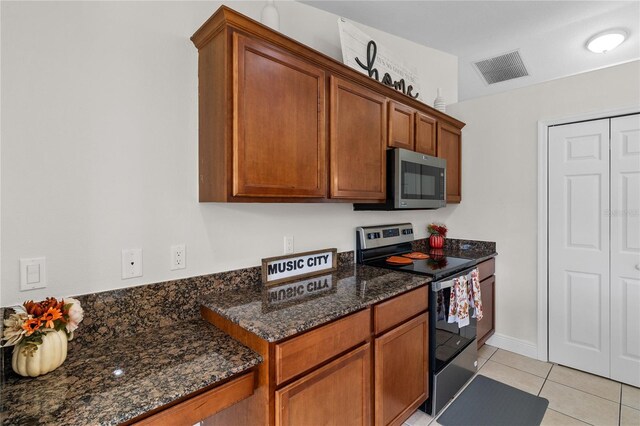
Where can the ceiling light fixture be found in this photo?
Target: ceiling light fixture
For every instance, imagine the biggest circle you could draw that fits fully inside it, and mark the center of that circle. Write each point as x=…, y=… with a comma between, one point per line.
x=606, y=41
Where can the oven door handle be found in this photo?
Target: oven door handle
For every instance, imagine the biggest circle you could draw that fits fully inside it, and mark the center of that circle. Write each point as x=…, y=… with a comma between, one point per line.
x=448, y=283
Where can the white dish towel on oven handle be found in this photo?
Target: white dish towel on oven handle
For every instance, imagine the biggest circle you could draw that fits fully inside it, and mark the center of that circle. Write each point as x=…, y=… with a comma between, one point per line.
x=465, y=294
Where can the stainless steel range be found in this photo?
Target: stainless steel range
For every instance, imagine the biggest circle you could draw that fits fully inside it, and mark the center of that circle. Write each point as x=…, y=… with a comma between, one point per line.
x=453, y=352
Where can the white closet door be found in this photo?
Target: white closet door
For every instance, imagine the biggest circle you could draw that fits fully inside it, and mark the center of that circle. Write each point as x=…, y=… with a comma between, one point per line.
x=625, y=249
x=579, y=246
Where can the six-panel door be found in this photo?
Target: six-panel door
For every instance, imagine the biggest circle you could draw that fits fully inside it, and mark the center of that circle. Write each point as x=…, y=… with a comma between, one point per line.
x=624, y=214
x=579, y=307
x=279, y=143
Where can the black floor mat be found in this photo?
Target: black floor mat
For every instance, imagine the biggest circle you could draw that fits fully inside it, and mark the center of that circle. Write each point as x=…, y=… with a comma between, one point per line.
x=486, y=402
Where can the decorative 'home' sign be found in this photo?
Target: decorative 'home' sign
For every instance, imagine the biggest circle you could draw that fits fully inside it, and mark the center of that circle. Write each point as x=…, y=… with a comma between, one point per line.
x=296, y=266
x=361, y=53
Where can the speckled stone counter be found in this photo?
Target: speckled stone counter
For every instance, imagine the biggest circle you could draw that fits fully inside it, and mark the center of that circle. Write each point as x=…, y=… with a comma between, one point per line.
x=276, y=313
x=116, y=380
x=467, y=249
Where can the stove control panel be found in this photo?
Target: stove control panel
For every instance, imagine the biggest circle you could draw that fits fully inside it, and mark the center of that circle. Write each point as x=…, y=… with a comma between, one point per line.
x=384, y=235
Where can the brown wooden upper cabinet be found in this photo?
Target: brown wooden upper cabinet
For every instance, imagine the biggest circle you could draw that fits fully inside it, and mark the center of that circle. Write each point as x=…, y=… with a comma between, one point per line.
x=270, y=141
x=279, y=129
x=411, y=129
x=264, y=102
x=357, y=141
x=425, y=134
x=401, y=126
x=449, y=148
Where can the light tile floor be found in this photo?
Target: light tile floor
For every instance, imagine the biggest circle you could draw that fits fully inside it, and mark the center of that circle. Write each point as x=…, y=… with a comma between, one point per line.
x=575, y=397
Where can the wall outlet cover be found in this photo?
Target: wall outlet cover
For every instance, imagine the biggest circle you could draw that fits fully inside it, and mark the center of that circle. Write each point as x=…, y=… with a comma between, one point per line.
x=288, y=244
x=178, y=257
x=131, y=263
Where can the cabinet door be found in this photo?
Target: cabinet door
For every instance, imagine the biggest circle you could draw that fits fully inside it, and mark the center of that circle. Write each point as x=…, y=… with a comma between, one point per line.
x=279, y=147
x=401, y=126
x=486, y=326
x=425, y=134
x=358, y=129
x=449, y=148
x=336, y=394
x=401, y=371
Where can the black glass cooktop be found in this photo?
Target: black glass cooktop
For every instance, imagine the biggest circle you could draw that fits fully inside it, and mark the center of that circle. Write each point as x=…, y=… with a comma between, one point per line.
x=436, y=267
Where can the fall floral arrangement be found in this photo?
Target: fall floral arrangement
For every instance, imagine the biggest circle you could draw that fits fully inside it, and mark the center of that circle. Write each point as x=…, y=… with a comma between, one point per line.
x=437, y=229
x=32, y=321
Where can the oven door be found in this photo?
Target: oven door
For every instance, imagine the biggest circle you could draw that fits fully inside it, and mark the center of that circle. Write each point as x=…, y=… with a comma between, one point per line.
x=449, y=340
x=420, y=180
x=453, y=350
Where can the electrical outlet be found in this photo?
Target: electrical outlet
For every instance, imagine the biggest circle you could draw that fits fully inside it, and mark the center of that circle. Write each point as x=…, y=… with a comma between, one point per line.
x=131, y=263
x=178, y=257
x=288, y=244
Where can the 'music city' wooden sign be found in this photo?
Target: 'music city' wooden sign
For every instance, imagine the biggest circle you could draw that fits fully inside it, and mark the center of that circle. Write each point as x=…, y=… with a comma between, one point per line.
x=297, y=266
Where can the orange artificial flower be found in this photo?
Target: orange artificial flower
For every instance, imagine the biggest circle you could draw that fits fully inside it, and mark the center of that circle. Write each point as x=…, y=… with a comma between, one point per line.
x=31, y=325
x=50, y=316
x=39, y=308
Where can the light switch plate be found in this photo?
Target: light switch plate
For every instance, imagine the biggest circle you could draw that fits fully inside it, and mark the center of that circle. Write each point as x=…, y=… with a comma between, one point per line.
x=33, y=273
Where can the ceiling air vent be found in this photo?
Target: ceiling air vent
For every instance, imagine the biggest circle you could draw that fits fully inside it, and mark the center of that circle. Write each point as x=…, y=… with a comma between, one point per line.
x=502, y=68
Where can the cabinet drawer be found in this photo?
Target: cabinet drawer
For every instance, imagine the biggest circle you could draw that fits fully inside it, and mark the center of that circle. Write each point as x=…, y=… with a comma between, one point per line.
x=204, y=405
x=392, y=312
x=487, y=268
x=304, y=352
x=337, y=394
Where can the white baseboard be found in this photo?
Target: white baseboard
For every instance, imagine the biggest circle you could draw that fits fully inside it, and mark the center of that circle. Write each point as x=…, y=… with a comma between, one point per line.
x=512, y=344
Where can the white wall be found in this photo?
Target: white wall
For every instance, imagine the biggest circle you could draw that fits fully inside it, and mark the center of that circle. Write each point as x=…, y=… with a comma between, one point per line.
x=99, y=146
x=500, y=179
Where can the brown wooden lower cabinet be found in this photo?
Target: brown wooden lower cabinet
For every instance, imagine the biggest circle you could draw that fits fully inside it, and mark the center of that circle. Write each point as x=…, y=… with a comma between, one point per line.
x=325, y=376
x=486, y=326
x=336, y=394
x=206, y=404
x=401, y=371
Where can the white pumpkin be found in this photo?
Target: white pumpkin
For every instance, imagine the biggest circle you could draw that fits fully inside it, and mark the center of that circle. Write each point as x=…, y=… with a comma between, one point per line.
x=49, y=356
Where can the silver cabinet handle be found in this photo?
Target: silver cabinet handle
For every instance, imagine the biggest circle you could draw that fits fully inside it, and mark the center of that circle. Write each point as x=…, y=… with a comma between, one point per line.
x=638, y=266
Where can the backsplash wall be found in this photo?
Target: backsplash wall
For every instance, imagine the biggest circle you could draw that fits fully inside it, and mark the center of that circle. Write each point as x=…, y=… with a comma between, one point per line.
x=99, y=146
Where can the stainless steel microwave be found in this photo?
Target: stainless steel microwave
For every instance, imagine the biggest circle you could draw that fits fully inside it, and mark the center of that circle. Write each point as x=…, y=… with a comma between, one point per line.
x=414, y=181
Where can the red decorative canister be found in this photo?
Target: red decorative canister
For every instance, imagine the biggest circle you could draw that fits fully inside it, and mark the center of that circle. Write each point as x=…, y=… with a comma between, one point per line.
x=436, y=241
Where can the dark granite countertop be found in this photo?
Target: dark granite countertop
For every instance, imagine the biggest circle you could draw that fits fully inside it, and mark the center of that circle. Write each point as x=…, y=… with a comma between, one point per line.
x=116, y=380
x=467, y=249
x=278, y=312
x=477, y=254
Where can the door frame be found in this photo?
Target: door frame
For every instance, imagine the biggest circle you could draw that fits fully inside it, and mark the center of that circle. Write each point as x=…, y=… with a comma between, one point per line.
x=543, y=215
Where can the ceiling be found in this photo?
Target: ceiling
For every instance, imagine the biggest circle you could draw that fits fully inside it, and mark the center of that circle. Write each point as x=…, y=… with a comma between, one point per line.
x=550, y=35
